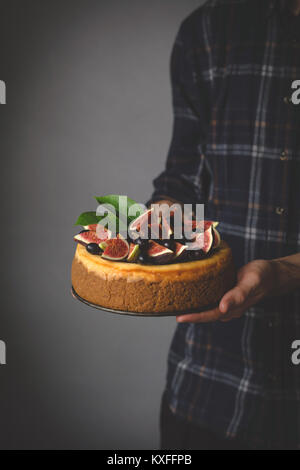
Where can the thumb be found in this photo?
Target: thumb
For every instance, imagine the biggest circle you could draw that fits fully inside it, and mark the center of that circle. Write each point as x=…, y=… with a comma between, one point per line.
x=232, y=300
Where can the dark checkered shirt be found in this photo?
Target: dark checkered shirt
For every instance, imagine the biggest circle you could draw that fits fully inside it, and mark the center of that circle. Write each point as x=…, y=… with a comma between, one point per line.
x=235, y=147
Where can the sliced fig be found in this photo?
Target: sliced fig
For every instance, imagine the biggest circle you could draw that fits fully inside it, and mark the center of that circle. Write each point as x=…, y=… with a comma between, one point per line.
x=154, y=231
x=92, y=227
x=143, y=220
x=134, y=252
x=102, y=232
x=203, y=241
x=159, y=254
x=217, y=238
x=202, y=225
x=177, y=221
x=194, y=228
x=180, y=251
x=210, y=223
x=206, y=238
x=115, y=249
x=87, y=237
x=167, y=232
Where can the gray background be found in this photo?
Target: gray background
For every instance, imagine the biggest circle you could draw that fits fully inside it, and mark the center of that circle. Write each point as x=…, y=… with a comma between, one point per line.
x=88, y=113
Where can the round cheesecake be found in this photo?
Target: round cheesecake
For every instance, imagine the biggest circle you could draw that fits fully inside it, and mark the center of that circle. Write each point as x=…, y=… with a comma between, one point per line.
x=142, y=288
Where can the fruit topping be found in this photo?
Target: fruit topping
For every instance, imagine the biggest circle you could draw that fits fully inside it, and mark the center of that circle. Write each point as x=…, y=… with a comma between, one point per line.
x=102, y=232
x=167, y=232
x=203, y=241
x=217, y=238
x=159, y=254
x=86, y=237
x=115, y=249
x=93, y=248
x=192, y=227
x=197, y=254
x=92, y=227
x=154, y=231
x=134, y=252
x=142, y=258
x=168, y=244
x=142, y=243
x=159, y=235
x=142, y=221
x=180, y=251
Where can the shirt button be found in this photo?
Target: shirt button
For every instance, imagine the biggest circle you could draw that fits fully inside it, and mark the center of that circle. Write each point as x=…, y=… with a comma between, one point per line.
x=270, y=324
x=284, y=155
x=279, y=210
x=287, y=99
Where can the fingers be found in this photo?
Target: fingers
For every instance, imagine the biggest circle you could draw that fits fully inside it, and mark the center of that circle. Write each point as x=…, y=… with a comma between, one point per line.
x=231, y=316
x=233, y=299
x=204, y=317
x=235, y=302
x=232, y=305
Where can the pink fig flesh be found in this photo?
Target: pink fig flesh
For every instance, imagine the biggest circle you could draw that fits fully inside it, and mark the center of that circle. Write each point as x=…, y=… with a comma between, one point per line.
x=115, y=249
x=84, y=238
x=159, y=254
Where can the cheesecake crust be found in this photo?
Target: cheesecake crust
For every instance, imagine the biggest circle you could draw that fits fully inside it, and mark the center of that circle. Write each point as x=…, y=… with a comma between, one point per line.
x=132, y=287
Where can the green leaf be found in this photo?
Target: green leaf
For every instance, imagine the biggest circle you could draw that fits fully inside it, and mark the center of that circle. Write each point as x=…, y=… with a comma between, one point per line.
x=111, y=221
x=119, y=203
x=88, y=218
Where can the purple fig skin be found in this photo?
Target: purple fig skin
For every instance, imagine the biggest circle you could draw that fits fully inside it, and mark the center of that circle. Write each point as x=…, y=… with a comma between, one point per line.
x=158, y=254
x=217, y=238
x=180, y=252
x=203, y=241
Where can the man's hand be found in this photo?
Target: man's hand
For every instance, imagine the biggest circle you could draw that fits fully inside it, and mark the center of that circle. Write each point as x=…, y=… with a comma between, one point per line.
x=255, y=281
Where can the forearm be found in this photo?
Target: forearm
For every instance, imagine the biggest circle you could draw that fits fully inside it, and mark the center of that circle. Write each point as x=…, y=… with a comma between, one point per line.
x=286, y=274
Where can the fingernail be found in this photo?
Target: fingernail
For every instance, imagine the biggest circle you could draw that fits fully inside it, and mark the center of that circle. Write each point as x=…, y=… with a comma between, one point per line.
x=224, y=307
x=179, y=319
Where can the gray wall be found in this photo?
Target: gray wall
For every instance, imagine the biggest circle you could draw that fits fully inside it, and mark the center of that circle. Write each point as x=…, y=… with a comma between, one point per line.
x=88, y=113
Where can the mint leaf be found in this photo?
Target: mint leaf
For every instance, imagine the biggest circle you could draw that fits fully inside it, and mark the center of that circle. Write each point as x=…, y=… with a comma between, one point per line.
x=112, y=222
x=120, y=203
x=88, y=218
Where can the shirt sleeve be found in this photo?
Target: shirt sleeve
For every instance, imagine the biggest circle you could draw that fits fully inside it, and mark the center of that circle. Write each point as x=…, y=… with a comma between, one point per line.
x=186, y=178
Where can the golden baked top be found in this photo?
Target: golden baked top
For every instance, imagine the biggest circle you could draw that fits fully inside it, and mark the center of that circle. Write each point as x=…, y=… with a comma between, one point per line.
x=218, y=261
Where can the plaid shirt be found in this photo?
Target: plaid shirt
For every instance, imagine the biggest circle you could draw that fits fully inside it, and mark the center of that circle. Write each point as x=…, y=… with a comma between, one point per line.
x=235, y=147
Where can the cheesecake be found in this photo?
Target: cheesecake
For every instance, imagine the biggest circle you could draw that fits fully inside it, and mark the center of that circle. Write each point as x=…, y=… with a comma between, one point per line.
x=147, y=288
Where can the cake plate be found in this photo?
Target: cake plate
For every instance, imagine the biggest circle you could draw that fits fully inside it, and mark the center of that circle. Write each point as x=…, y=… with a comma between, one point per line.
x=138, y=314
